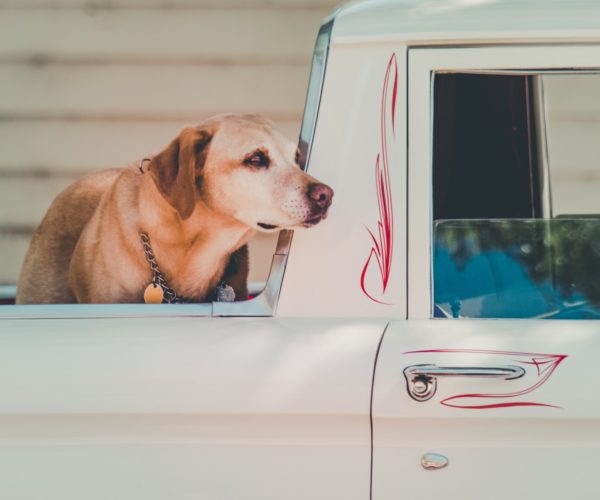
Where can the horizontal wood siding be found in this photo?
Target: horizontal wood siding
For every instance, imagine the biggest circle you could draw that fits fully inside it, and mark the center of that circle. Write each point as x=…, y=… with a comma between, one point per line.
x=95, y=5
x=573, y=110
x=259, y=34
x=87, y=85
x=152, y=92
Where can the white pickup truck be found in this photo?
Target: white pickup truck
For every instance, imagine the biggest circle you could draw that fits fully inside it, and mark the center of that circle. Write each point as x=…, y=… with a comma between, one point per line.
x=351, y=375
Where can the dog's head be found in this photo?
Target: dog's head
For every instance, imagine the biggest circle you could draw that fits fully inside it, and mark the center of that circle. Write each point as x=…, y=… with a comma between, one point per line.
x=239, y=166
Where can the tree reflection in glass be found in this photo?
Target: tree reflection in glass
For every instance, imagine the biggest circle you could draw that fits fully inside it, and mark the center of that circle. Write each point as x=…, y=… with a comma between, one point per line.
x=520, y=268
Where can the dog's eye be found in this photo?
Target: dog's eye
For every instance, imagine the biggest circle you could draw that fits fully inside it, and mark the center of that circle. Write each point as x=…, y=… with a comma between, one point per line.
x=297, y=157
x=257, y=159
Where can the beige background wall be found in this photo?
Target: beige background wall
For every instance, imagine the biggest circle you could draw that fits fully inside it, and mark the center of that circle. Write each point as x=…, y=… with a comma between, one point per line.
x=91, y=84
x=573, y=110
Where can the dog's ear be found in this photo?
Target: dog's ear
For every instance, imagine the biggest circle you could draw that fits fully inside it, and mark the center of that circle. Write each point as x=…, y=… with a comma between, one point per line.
x=175, y=169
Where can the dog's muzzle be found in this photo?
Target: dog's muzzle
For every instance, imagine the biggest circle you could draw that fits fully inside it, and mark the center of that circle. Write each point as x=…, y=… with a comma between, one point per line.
x=320, y=196
x=314, y=208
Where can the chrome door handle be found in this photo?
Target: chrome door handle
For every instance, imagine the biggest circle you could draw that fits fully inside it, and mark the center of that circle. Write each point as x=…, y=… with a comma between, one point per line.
x=421, y=380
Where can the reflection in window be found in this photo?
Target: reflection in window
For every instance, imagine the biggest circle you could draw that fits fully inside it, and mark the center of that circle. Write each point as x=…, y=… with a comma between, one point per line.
x=517, y=268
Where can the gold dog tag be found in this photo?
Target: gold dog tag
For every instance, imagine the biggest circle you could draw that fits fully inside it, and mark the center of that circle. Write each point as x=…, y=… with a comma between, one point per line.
x=153, y=294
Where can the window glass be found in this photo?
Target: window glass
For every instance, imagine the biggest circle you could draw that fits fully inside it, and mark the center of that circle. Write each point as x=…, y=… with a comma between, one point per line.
x=519, y=268
x=516, y=229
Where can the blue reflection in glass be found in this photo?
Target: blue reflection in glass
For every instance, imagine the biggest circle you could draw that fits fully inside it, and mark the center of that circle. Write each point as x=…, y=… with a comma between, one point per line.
x=517, y=268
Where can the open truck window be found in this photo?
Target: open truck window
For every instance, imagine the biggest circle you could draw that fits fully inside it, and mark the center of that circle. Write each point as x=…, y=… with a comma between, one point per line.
x=516, y=217
x=33, y=176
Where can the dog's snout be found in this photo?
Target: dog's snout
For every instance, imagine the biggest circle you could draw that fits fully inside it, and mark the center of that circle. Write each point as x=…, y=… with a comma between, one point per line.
x=320, y=194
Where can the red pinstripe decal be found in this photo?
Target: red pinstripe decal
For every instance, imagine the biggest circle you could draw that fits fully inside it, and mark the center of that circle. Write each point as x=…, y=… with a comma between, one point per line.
x=382, y=238
x=545, y=365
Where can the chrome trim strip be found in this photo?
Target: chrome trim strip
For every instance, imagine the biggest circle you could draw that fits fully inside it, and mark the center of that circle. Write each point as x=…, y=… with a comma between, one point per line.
x=8, y=291
x=421, y=380
x=434, y=461
x=507, y=373
x=541, y=134
x=284, y=242
x=256, y=287
x=314, y=92
x=96, y=311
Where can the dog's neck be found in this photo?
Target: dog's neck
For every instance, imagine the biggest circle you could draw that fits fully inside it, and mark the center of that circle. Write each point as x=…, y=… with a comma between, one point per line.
x=194, y=252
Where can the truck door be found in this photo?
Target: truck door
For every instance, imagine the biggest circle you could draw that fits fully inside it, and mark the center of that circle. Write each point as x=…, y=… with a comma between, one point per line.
x=487, y=409
x=478, y=394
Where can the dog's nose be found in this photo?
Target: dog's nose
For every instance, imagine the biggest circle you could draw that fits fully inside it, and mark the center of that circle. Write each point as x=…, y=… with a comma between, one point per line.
x=321, y=194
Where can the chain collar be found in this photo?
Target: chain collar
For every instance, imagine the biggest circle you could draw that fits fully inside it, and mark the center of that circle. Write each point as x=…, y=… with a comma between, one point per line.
x=158, y=278
x=223, y=293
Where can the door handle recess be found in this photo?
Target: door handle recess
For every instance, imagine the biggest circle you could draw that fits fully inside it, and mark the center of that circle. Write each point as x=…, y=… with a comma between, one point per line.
x=421, y=380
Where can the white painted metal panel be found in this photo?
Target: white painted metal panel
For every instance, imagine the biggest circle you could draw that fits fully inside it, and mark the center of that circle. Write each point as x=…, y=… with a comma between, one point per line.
x=422, y=63
x=197, y=408
x=454, y=22
x=534, y=437
x=327, y=263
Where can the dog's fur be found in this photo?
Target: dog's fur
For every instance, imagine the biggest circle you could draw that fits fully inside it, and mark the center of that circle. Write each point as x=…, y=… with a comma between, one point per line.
x=200, y=201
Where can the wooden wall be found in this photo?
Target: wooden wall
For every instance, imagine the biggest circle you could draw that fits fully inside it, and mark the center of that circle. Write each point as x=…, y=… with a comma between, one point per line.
x=573, y=111
x=91, y=84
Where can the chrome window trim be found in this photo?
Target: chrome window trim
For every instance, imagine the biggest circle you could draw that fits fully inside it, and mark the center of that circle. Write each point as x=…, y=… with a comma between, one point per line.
x=8, y=291
x=541, y=124
x=315, y=90
x=103, y=311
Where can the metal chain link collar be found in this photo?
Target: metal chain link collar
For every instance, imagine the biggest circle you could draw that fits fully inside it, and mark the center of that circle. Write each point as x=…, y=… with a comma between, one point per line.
x=158, y=279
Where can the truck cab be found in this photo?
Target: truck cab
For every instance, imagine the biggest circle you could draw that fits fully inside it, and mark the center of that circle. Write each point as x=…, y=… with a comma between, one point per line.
x=404, y=346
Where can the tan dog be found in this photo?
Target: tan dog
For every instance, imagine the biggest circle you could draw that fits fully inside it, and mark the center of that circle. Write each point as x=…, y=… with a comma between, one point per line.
x=199, y=201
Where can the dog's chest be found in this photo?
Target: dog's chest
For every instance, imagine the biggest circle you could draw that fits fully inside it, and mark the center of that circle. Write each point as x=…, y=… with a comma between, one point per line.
x=202, y=268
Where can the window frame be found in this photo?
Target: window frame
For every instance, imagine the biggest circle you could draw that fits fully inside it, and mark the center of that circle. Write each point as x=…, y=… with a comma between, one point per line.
x=423, y=63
